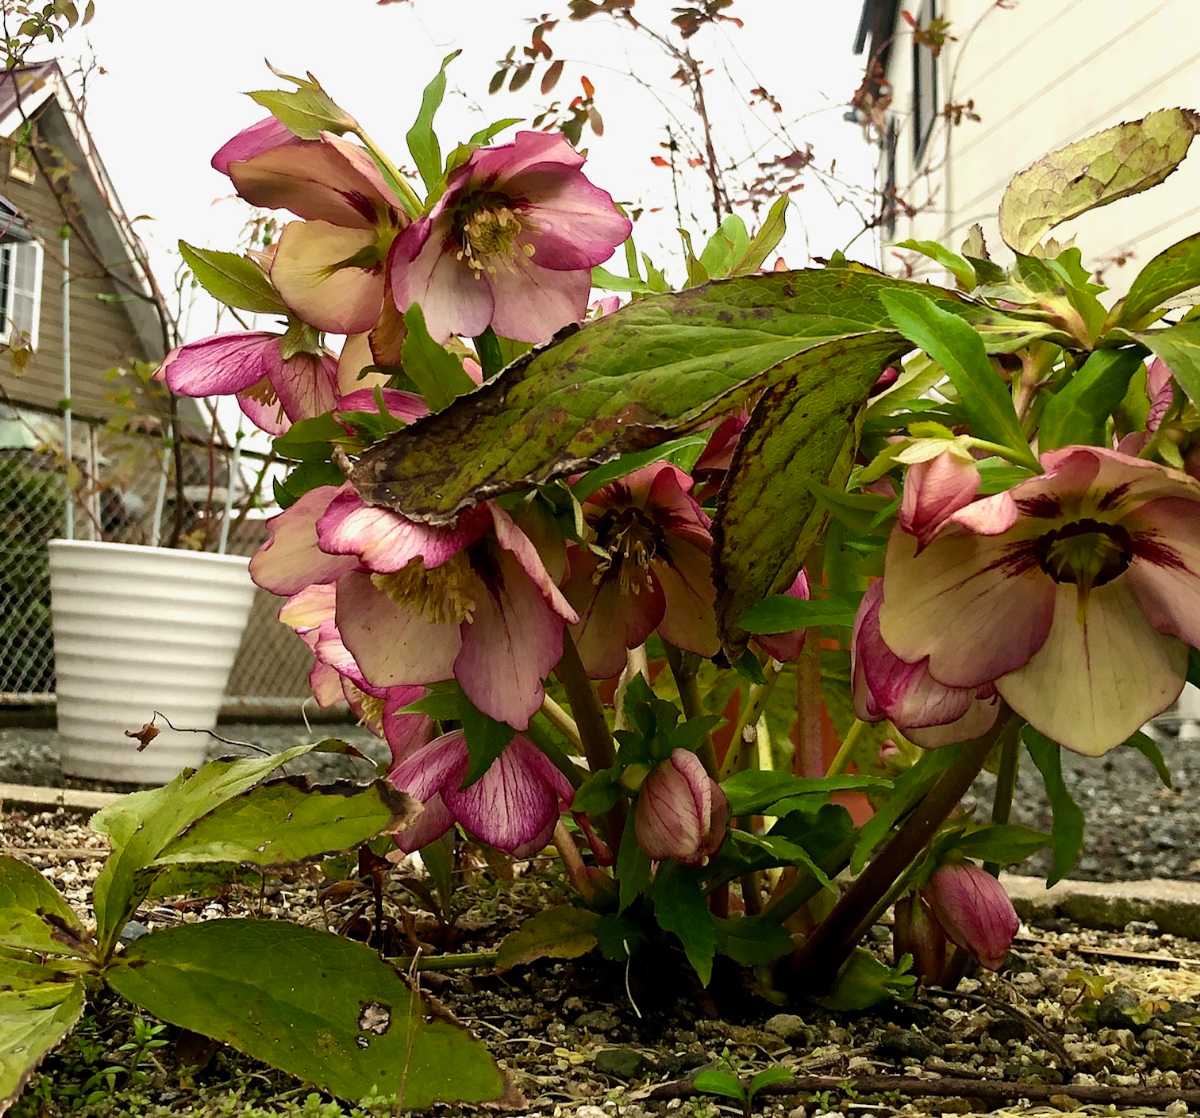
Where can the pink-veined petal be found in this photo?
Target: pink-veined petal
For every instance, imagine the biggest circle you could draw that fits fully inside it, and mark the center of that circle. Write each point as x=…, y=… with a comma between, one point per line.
x=291, y=559
x=307, y=609
x=575, y=225
x=685, y=574
x=610, y=620
x=306, y=385
x=1164, y=577
x=496, y=166
x=787, y=646
x=510, y=645
x=974, y=605
x=404, y=733
x=533, y=303
x=514, y=802
x=1092, y=685
x=423, y=269
x=312, y=275
x=385, y=541
x=393, y=645
x=252, y=141
x=220, y=365
x=514, y=541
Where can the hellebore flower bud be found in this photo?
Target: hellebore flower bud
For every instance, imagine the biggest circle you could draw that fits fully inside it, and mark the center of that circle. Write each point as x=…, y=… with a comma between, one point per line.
x=681, y=811
x=918, y=934
x=973, y=910
x=936, y=486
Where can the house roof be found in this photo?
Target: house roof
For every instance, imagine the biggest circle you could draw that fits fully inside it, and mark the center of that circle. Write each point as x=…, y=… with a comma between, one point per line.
x=23, y=93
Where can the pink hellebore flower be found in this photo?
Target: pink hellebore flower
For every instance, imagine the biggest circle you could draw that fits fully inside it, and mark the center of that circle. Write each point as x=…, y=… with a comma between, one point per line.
x=510, y=244
x=273, y=393
x=1076, y=592
x=973, y=910
x=329, y=269
x=681, y=812
x=654, y=571
x=514, y=806
x=419, y=604
x=941, y=479
x=927, y=712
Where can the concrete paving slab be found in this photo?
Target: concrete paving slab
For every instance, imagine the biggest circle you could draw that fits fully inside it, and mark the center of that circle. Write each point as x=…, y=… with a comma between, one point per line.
x=1173, y=905
x=29, y=796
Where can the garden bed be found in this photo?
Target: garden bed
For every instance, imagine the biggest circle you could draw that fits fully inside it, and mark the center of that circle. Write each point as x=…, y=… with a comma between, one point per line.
x=1079, y=1018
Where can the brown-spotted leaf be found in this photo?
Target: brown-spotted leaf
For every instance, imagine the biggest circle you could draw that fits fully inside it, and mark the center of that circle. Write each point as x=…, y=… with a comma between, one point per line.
x=561, y=932
x=804, y=430
x=660, y=367
x=40, y=1004
x=1099, y=169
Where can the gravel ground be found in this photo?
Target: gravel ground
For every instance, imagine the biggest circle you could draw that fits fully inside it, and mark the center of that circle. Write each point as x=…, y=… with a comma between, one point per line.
x=1136, y=827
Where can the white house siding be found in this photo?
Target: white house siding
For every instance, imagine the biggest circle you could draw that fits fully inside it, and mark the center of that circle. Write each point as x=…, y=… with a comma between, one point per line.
x=1042, y=75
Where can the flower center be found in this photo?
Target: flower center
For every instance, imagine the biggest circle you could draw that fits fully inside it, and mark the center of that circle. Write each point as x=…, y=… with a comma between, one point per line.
x=444, y=595
x=487, y=227
x=1087, y=553
x=263, y=393
x=372, y=709
x=632, y=542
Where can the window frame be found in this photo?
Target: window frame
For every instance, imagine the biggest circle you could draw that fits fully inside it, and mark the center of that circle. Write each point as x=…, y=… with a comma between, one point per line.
x=9, y=292
x=924, y=93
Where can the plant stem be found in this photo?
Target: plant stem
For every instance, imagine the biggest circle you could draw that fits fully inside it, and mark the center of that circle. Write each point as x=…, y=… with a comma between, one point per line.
x=1006, y=780
x=408, y=197
x=822, y=954
x=572, y=862
x=563, y=723
x=446, y=962
x=810, y=754
x=738, y=756
x=683, y=667
x=591, y=725
x=838, y=765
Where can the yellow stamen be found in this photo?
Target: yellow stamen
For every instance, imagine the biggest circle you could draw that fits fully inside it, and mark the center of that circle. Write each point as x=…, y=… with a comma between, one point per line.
x=487, y=228
x=372, y=709
x=444, y=595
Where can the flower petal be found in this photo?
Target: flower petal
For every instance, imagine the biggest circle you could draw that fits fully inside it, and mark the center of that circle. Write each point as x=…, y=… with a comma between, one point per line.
x=533, y=303
x=1164, y=577
x=1092, y=685
x=423, y=268
x=511, y=644
x=685, y=574
x=220, y=365
x=312, y=276
x=971, y=603
x=611, y=621
x=252, y=141
x=291, y=559
x=573, y=224
x=393, y=645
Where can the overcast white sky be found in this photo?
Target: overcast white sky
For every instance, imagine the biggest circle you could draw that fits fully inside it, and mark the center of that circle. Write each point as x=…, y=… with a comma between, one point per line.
x=175, y=73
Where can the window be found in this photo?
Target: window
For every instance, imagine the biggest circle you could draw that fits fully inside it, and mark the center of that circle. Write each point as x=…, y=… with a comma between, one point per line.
x=20, y=290
x=925, y=84
x=21, y=164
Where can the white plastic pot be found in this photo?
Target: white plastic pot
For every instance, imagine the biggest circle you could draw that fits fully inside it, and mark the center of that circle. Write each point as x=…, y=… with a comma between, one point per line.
x=139, y=630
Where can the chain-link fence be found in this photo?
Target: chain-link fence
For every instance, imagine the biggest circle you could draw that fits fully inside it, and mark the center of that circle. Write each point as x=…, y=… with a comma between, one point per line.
x=123, y=490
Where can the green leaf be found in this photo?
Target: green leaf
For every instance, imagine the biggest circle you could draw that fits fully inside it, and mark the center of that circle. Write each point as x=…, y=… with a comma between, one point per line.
x=1004, y=843
x=310, y=440
x=1148, y=748
x=725, y=248
x=1179, y=347
x=757, y=791
x=766, y=1078
x=633, y=866
x=619, y=938
x=561, y=932
x=1079, y=413
x=39, y=1005
x=437, y=373
x=422, y=140
x=782, y=851
x=609, y=281
x=1094, y=171
x=959, y=268
x=142, y=824
x=765, y=240
x=714, y=1082
x=1171, y=272
x=803, y=432
x=306, y=477
x=661, y=367
x=955, y=345
x=233, y=280
x=309, y=1003
x=1067, y=828
x=864, y=981
x=290, y=820
x=679, y=907
x=308, y=110
x=486, y=740
x=908, y=789
x=752, y=940
x=34, y=916
x=782, y=613
x=677, y=452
